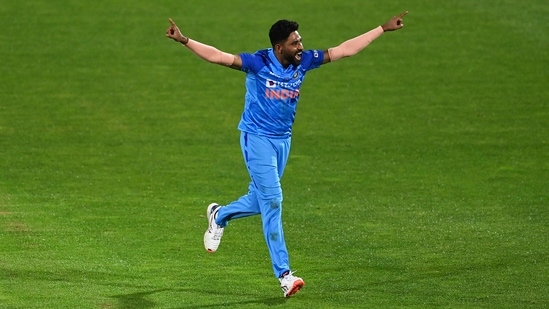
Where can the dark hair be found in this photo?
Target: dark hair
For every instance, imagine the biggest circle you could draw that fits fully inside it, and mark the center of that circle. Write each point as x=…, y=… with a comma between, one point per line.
x=281, y=30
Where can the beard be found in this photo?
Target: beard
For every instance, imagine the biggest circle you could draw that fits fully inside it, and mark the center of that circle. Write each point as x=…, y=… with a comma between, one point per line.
x=294, y=58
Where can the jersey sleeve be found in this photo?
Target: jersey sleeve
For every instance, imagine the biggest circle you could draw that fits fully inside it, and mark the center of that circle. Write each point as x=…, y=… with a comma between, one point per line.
x=251, y=62
x=311, y=59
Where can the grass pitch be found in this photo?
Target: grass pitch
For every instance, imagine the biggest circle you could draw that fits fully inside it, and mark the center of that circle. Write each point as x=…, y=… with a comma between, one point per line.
x=418, y=176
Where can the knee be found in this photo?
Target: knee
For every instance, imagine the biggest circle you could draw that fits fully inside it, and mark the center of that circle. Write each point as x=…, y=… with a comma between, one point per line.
x=271, y=211
x=274, y=236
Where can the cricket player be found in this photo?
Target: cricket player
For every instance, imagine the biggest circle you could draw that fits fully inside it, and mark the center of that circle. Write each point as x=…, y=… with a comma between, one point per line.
x=273, y=80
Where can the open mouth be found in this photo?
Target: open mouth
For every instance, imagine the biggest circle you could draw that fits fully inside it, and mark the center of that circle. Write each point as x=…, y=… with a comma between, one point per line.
x=298, y=56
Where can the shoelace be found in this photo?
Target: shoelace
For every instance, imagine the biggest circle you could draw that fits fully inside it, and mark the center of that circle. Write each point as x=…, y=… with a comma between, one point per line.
x=218, y=233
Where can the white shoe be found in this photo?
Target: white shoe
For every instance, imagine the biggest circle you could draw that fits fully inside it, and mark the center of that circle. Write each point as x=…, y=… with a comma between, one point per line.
x=290, y=284
x=213, y=234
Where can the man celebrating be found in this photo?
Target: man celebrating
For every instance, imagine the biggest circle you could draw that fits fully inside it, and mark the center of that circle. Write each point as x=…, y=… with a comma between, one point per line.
x=273, y=79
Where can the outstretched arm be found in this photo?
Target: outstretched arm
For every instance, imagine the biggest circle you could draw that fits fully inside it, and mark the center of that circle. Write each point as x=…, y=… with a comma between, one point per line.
x=353, y=46
x=206, y=52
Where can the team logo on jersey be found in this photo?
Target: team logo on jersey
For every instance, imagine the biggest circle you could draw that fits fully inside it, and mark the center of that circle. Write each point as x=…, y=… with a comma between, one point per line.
x=296, y=75
x=270, y=83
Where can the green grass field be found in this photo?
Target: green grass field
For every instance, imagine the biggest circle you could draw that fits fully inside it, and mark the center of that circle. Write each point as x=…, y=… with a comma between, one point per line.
x=419, y=174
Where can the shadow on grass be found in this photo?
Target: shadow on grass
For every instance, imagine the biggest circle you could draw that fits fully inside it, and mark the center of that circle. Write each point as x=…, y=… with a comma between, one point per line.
x=71, y=276
x=273, y=301
x=138, y=301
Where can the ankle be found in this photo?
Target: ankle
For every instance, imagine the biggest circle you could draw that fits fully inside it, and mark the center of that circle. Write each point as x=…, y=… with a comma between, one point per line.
x=284, y=274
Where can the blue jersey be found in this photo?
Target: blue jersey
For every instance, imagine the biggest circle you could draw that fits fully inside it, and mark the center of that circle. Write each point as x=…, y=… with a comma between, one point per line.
x=272, y=91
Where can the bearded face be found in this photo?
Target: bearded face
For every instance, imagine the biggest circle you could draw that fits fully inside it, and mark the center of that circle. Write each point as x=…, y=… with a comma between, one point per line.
x=292, y=49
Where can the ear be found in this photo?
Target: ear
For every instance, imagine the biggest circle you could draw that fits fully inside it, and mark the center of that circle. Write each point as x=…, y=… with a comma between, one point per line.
x=278, y=48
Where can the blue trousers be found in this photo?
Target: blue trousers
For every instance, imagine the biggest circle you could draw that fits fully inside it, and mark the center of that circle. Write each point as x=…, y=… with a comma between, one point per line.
x=265, y=160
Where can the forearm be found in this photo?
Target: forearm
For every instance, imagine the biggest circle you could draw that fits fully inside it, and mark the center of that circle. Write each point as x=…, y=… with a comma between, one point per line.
x=353, y=46
x=209, y=53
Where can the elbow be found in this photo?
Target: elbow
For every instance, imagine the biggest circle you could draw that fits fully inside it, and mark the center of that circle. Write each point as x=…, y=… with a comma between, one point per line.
x=336, y=53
